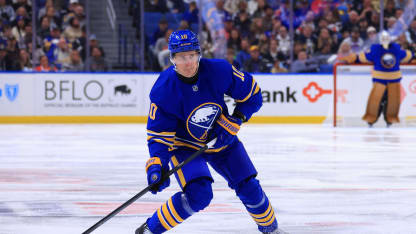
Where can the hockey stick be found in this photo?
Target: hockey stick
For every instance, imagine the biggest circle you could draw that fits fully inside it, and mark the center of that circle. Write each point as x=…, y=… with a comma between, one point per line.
x=145, y=190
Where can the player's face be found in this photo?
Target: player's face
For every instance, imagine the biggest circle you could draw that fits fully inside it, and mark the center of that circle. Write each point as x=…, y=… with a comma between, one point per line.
x=186, y=63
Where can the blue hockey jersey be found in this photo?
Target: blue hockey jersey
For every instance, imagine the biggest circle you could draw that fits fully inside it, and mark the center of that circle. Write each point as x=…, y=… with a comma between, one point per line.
x=386, y=62
x=182, y=114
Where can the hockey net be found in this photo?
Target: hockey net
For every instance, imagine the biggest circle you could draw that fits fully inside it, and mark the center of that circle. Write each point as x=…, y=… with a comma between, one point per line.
x=352, y=85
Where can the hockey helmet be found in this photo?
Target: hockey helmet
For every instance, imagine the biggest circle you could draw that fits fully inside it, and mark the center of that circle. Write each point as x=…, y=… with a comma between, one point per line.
x=183, y=40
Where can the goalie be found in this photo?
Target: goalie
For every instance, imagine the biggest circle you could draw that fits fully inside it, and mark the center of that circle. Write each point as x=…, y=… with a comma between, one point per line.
x=385, y=94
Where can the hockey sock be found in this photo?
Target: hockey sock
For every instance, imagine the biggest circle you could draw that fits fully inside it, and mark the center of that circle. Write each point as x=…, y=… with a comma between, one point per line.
x=170, y=214
x=257, y=205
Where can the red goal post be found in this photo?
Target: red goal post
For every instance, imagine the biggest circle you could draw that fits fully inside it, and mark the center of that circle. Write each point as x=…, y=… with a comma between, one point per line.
x=352, y=85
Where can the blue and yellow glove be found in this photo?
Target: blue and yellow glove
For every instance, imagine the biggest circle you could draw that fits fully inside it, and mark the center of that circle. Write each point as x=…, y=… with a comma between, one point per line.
x=226, y=129
x=155, y=170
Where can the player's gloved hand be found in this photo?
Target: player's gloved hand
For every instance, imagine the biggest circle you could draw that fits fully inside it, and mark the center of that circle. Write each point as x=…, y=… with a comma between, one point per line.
x=226, y=129
x=155, y=170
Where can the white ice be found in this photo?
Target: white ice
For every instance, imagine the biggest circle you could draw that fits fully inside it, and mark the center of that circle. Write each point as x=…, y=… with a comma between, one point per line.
x=64, y=178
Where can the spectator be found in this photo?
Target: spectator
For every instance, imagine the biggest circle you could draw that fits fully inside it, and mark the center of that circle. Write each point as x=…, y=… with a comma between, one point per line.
x=363, y=27
x=25, y=5
x=73, y=31
x=242, y=23
x=391, y=21
x=94, y=43
x=284, y=40
x=389, y=9
x=6, y=11
x=45, y=28
x=191, y=15
x=53, y=17
x=355, y=41
x=273, y=52
x=21, y=11
x=345, y=54
x=412, y=33
x=308, y=39
x=3, y=55
x=234, y=41
x=371, y=38
x=97, y=61
x=160, y=31
x=24, y=61
x=260, y=9
x=62, y=52
x=243, y=55
x=255, y=64
x=161, y=51
x=278, y=67
x=12, y=58
x=303, y=64
x=44, y=65
x=18, y=31
x=75, y=63
x=230, y=57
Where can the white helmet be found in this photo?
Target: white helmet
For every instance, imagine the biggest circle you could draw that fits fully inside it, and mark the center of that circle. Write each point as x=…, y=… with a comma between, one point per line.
x=385, y=39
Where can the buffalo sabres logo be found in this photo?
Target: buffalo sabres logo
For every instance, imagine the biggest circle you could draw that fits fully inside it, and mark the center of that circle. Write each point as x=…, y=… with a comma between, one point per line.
x=201, y=119
x=388, y=60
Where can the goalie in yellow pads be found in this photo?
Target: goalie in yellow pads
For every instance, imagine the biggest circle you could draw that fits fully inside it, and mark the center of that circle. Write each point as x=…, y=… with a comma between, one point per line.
x=385, y=94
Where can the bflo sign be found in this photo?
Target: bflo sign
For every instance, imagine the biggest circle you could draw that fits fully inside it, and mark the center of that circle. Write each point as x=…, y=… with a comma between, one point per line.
x=72, y=94
x=60, y=90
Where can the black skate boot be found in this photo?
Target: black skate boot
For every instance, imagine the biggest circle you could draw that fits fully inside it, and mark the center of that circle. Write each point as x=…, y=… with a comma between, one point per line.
x=277, y=231
x=144, y=229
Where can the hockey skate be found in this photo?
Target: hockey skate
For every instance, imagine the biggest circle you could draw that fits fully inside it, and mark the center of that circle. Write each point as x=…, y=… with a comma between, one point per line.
x=144, y=229
x=277, y=231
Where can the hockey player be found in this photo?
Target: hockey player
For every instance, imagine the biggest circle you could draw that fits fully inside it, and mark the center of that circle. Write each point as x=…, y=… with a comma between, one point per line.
x=187, y=110
x=385, y=94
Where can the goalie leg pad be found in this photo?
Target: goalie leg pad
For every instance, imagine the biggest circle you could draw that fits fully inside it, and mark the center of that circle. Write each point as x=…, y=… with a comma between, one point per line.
x=257, y=204
x=393, y=102
x=373, y=104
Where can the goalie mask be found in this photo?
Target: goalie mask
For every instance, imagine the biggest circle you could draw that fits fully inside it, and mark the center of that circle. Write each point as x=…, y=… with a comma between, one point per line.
x=385, y=39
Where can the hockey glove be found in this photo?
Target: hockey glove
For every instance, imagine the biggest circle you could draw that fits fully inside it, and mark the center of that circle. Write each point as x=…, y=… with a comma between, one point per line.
x=226, y=129
x=155, y=170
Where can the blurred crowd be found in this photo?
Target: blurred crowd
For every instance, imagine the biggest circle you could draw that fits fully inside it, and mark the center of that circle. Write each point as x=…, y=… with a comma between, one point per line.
x=59, y=43
x=257, y=31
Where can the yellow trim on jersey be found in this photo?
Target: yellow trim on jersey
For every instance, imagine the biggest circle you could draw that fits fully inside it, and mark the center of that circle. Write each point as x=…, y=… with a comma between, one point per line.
x=163, y=142
x=249, y=94
x=386, y=75
x=239, y=76
x=167, y=215
x=407, y=58
x=179, y=172
x=165, y=134
x=362, y=58
x=162, y=220
x=172, y=208
x=262, y=214
x=257, y=90
x=170, y=139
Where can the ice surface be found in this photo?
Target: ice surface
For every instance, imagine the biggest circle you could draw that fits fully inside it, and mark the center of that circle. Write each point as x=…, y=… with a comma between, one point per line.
x=64, y=178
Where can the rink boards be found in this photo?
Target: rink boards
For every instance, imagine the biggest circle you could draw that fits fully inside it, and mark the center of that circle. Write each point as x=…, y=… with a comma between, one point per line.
x=123, y=97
